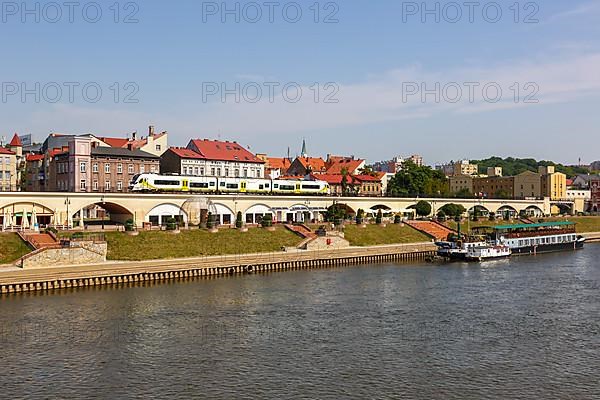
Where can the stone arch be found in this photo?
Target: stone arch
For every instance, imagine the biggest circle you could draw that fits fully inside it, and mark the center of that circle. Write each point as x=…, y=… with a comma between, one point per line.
x=224, y=215
x=13, y=215
x=254, y=213
x=534, y=211
x=503, y=210
x=158, y=215
x=117, y=212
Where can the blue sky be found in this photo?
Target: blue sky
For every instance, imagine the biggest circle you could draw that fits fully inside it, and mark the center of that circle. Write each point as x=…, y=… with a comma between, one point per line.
x=374, y=55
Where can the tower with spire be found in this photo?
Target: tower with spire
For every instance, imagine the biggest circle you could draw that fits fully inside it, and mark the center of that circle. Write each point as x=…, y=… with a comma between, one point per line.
x=303, y=153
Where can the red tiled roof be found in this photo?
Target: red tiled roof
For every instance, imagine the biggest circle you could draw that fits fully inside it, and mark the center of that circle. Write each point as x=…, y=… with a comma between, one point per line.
x=16, y=141
x=330, y=178
x=316, y=164
x=336, y=165
x=278, y=163
x=223, y=151
x=115, y=142
x=34, y=157
x=569, y=182
x=185, y=153
x=366, y=178
x=4, y=150
x=291, y=177
x=57, y=151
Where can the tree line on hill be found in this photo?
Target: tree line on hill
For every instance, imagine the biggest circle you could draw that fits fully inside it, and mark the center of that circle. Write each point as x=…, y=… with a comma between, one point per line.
x=515, y=166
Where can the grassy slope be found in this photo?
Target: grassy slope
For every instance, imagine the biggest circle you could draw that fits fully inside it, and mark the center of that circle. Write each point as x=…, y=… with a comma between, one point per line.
x=11, y=248
x=194, y=243
x=374, y=235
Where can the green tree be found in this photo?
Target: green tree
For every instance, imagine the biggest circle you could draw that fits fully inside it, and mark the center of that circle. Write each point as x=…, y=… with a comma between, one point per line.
x=360, y=214
x=422, y=208
x=414, y=180
x=453, y=210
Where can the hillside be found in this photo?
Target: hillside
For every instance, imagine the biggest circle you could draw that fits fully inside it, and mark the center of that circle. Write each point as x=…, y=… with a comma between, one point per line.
x=514, y=166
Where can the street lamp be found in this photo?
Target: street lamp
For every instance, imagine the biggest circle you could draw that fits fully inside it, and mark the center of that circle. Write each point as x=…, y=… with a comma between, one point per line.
x=103, y=214
x=67, y=203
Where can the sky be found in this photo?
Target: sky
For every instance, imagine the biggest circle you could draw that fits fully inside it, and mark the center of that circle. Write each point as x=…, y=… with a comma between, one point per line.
x=376, y=80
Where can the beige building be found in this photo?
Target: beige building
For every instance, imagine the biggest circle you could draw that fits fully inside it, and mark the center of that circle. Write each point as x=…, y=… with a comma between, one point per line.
x=494, y=187
x=554, y=184
x=528, y=184
x=460, y=183
x=494, y=171
x=8, y=170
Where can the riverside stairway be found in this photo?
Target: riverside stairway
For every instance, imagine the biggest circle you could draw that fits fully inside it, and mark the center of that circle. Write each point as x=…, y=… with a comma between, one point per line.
x=437, y=231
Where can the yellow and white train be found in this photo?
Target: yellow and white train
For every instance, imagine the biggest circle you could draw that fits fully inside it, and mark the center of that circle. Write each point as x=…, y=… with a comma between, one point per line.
x=205, y=184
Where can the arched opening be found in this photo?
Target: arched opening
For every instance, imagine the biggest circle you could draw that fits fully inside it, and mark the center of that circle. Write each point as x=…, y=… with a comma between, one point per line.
x=101, y=214
x=223, y=214
x=507, y=213
x=339, y=211
x=160, y=214
x=533, y=212
x=562, y=208
x=255, y=214
x=385, y=211
x=479, y=211
x=20, y=216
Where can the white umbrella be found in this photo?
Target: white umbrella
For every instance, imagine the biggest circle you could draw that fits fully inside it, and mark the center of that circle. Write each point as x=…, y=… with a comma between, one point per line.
x=24, y=220
x=69, y=220
x=53, y=218
x=34, y=222
x=81, y=225
x=9, y=220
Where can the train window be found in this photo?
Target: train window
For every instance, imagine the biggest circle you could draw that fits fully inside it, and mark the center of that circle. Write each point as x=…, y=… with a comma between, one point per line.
x=286, y=187
x=167, y=183
x=261, y=187
x=232, y=186
x=198, y=185
x=222, y=184
x=276, y=186
x=311, y=187
x=267, y=185
x=212, y=184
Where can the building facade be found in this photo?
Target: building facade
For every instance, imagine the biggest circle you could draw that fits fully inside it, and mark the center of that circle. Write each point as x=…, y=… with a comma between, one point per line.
x=302, y=166
x=212, y=158
x=461, y=183
x=494, y=187
x=528, y=184
x=554, y=184
x=595, y=195
x=8, y=170
x=86, y=167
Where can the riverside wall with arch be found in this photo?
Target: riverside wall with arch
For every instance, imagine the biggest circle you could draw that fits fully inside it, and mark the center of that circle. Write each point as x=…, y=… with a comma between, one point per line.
x=62, y=208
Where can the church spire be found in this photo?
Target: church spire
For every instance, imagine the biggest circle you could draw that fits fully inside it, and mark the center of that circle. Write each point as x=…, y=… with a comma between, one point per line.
x=303, y=153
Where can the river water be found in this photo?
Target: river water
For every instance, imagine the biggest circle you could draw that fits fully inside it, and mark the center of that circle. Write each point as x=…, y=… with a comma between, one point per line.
x=525, y=328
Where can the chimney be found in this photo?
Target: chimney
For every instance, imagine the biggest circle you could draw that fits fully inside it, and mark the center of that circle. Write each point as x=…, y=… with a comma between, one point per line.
x=130, y=145
x=151, y=130
x=134, y=135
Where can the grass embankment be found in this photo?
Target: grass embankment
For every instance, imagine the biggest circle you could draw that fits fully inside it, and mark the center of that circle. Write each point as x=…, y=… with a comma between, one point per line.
x=12, y=247
x=374, y=235
x=482, y=222
x=155, y=245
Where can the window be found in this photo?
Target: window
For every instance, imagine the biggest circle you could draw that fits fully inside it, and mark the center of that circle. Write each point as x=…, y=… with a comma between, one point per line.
x=107, y=185
x=196, y=171
x=245, y=173
x=226, y=171
x=95, y=167
x=119, y=168
x=184, y=172
x=119, y=185
x=201, y=171
x=82, y=184
x=107, y=168
x=166, y=183
x=142, y=170
x=82, y=166
x=157, y=147
x=199, y=185
x=237, y=173
x=130, y=168
x=212, y=172
x=95, y=185
x=153, y=170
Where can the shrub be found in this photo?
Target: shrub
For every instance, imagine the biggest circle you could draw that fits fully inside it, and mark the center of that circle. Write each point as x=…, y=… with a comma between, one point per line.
x=238, y=220
x=360, y=216
x=210, y=223
x=51, y=229
x=379, y=217
x=423, y=208
x=397, y=219
x=129, y=225
x=267, y=221
x=171, y=224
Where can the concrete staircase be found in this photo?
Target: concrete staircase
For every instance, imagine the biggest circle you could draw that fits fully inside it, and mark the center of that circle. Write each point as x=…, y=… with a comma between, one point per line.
x=437, y=231
x=40, y=240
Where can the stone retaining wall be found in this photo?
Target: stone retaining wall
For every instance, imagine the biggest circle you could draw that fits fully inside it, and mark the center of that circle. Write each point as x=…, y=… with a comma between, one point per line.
x=80, y=253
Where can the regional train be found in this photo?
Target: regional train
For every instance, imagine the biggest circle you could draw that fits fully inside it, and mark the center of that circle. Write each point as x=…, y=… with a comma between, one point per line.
x=209, y=184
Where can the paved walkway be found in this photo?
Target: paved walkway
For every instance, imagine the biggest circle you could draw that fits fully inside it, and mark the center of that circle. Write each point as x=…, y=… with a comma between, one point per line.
x=436, y=231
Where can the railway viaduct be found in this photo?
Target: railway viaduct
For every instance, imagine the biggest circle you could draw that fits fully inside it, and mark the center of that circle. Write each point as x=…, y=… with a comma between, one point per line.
x=63, y=208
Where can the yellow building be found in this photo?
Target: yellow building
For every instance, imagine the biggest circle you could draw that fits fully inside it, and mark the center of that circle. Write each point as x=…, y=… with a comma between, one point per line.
x=528, y=184
x=553, y=184
x=8, y=170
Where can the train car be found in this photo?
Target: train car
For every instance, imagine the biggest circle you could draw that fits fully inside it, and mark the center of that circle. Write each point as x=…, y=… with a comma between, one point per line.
x=172, y=183
x=244, y=185
x=300, y=187
x=200, y=184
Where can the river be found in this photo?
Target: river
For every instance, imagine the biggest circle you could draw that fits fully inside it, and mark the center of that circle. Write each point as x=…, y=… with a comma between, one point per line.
x=525, y=328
